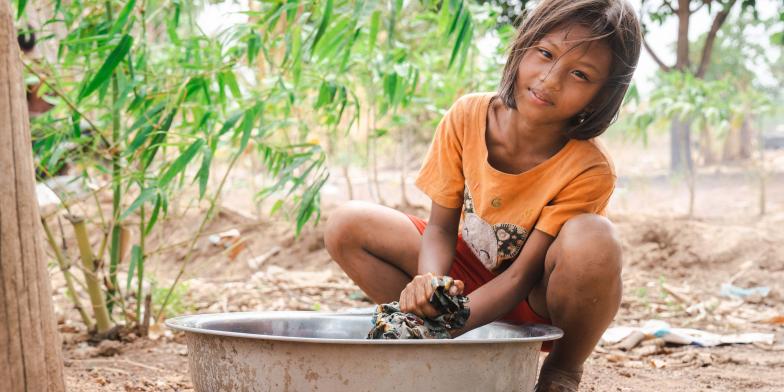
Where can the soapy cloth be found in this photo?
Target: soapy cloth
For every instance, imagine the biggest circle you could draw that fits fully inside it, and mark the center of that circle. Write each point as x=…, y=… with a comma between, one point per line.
x=390, y=323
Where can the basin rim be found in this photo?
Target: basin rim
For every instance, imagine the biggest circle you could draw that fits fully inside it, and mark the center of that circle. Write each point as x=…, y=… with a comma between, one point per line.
x=188, y=323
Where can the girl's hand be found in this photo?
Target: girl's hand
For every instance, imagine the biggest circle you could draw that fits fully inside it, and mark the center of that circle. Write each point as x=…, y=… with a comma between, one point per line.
x=415, y=298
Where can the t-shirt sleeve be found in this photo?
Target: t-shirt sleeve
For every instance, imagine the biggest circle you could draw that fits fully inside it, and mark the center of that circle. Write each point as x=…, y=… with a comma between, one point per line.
x=588, y=193
x=441, y=176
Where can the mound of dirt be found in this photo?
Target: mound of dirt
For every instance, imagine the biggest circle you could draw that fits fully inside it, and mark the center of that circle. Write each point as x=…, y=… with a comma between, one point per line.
x=680, y=248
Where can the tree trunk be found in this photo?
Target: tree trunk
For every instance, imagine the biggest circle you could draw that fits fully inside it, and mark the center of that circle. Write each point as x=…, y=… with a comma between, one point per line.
x=30, y=353
x=746, y=136
x=680, y=147
x=706, y=147
x=680, y=138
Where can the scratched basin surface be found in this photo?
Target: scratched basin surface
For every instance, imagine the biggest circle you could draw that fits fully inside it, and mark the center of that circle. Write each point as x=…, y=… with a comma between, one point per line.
x=307, y=351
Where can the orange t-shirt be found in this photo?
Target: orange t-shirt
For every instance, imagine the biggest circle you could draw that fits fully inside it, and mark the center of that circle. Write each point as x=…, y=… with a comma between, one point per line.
x=500, y=210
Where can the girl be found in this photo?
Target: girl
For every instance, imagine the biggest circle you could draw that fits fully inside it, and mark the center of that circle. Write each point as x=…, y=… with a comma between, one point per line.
x=523, y=169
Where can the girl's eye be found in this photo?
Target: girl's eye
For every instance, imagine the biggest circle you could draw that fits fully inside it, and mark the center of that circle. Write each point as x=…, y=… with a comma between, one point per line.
x=546, y=53
x=581, y=75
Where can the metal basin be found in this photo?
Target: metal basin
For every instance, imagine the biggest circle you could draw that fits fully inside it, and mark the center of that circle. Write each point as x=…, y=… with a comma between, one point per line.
x=307, y=351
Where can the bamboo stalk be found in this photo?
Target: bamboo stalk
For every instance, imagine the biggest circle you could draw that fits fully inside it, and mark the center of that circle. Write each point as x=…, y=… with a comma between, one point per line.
x=65, y=269
x=349, y=186
x=93, y=284
x=140, y=267
x=115, y=248
x=145, y=325
x=126, y=237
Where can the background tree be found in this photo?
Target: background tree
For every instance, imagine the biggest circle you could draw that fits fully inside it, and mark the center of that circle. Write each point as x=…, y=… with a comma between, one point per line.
x=656, y=12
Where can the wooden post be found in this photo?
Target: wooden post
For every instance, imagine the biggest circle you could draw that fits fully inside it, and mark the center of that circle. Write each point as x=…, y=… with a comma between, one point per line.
x=30, y=352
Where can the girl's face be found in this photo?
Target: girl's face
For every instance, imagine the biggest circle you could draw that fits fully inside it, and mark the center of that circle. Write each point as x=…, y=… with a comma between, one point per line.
x=560, y=75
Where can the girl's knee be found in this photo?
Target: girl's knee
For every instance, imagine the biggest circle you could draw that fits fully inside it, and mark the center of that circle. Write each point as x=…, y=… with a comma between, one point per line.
x=342, y=224
x=590, y=225
x=589, y=245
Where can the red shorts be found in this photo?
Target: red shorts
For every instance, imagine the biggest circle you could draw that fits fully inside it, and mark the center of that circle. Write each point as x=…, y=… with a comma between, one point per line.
x=469, y=269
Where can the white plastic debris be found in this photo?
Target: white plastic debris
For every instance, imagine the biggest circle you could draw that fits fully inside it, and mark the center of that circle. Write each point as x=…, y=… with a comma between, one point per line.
x=224, y=238
x=661, y=329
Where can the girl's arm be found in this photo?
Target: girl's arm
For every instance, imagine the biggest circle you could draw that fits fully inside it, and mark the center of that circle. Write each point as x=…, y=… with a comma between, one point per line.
x=500, y=295
x=438, y=241
x=435, y=259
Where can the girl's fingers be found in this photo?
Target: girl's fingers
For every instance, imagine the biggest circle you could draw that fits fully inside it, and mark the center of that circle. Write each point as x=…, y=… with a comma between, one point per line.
x=429, y=311
x=429, y=289
x=404, y=299
x=415, y=297
x=457, y=287
x=420, y=296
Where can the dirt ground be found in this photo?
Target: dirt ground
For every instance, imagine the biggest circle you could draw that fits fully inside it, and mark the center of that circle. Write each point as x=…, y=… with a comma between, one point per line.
x=674, y=267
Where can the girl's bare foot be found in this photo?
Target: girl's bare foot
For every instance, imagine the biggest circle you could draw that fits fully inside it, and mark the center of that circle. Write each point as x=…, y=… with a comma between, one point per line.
x=552, y=379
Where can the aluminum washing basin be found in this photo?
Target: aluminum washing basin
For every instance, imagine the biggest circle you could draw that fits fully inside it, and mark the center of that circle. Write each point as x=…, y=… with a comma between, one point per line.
x=309, y=351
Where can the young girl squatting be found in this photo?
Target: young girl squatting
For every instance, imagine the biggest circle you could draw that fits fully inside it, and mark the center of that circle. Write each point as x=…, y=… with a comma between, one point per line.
x=522, y=169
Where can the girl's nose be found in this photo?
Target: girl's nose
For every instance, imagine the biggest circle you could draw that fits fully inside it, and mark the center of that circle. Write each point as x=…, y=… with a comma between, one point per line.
x=551, y=78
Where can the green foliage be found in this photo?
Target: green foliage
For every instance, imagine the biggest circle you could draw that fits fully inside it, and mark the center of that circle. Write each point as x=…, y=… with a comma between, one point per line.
x=148, y=100
x=176, y=302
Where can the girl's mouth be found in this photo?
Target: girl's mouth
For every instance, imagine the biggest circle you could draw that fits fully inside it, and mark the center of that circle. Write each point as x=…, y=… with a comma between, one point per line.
x=538, y=99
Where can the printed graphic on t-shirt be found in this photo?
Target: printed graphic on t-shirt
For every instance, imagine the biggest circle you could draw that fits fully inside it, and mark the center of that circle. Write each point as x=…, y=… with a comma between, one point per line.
x=495, y=244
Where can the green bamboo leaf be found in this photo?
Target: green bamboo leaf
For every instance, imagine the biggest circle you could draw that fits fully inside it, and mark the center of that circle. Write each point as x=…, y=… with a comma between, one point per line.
x=20, y=7
x=151, y=116
x=324, y=23
x=122, y=17
x=347, y=51
x=466, y=46
x=275, y=207
x=108, y=67
x=390, y=84
x=139, y=140
x=246, y=127
x=443, y=17
x=204, y=172
x=459, y=40
x=400, y=86
x=180, y=163
x=456, y=19
x=291, y=11
x=326, y=94
x=154, y=216
x=309, y=203
x=136, y=255
x=375, y=22
x=160, y=136
x=332, y=39
x=172, y=24
x=76, y=119
x=272, y=18
x=254, y=44
x=143, y=197
x=296, y=44
x=343, y=100
x=231, y=81
x=230, y=123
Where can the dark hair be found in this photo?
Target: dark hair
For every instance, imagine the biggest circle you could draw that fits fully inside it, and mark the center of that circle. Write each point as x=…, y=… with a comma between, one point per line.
x=614, y=22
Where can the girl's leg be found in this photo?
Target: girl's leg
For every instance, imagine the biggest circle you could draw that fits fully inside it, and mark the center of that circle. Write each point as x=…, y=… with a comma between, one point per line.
x=580, y=293
x=376, y=246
